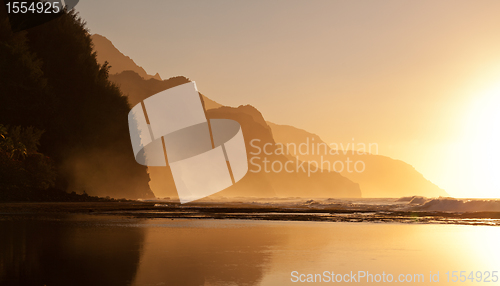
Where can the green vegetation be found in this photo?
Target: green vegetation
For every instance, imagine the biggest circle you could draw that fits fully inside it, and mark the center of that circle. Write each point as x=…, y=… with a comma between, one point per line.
x=50, y=80
x=21, y=166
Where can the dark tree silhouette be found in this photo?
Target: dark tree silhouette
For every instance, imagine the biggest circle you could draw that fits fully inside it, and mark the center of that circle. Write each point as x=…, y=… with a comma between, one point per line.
x=21, y=166
x=50, y=79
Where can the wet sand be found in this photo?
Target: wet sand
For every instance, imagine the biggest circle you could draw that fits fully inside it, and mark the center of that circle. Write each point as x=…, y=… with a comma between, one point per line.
x=92, y=249
x=338, y=212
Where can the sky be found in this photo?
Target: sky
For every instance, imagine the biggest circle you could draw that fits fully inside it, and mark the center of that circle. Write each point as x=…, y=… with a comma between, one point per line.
x=419, y=78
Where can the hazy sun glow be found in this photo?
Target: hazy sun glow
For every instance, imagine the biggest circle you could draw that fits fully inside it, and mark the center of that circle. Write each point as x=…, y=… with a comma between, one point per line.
x=397, y=73
x=480, y=144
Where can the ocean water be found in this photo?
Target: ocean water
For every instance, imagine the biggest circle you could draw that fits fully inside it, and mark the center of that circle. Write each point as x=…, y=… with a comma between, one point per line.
x=125, y=250
x=406, y=210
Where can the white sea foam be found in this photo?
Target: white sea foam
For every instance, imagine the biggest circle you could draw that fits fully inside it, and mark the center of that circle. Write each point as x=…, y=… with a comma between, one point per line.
x=461, y=205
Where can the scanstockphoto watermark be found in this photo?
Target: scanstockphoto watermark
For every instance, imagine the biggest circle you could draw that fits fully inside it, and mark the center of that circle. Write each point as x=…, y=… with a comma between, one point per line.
x=309, y=157
x=478, y=276
x=362, y=276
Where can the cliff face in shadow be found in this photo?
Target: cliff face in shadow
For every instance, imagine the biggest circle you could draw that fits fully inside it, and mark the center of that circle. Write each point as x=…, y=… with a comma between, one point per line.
x=271, y=166
x=382, y=176
x=108, y=52
x=137, y=88
x=258, y=182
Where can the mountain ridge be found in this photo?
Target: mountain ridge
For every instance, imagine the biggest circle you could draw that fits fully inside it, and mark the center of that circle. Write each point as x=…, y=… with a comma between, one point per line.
x=119, y=62
x=254, y=126
x=392, y=178
x=382, y=179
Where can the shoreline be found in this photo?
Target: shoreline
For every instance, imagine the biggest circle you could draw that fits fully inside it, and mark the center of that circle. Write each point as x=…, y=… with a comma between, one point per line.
x=247, y=211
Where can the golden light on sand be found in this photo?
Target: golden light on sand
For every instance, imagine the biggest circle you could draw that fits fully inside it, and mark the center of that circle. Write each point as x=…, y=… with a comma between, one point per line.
x=482, y=246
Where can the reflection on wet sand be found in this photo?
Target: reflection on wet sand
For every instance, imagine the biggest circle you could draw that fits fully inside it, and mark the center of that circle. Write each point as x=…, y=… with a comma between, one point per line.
x=75, y=250
x=112, y=250
x=206, y=252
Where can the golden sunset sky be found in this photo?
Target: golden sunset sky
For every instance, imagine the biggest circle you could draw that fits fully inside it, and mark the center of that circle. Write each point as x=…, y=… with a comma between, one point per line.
x=420, y=78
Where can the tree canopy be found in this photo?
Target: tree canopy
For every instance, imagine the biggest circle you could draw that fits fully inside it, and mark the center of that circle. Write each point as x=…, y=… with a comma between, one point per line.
x=50, y=80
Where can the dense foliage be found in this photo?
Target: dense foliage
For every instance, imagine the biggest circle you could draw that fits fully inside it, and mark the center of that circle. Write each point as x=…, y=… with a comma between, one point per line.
x=50, y=79
x=21, y=166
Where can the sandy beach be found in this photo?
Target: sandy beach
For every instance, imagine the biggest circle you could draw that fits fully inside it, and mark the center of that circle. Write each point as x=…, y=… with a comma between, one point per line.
x=79, y=249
